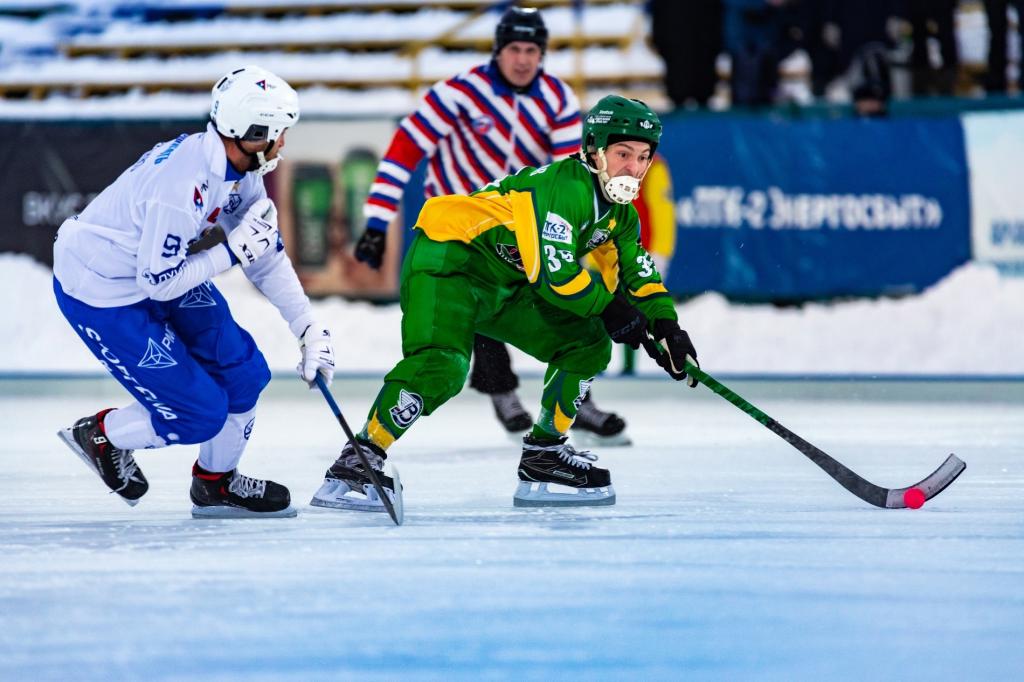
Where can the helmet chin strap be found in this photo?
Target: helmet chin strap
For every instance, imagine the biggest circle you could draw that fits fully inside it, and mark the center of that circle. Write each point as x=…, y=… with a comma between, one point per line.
x=258, y=163
x=619, y=190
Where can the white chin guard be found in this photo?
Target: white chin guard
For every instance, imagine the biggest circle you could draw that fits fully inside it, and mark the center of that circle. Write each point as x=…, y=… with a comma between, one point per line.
x=265, y=166
x=621, y=190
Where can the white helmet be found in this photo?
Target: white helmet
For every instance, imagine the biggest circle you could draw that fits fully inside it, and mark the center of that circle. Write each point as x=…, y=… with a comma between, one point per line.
x=251, y=104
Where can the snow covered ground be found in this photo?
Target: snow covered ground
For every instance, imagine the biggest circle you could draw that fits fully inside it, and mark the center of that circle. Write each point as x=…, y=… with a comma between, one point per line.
x=728, y=555
x=969, y=324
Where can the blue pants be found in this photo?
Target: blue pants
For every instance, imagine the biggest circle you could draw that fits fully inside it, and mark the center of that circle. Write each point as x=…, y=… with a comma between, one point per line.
x=186, y=360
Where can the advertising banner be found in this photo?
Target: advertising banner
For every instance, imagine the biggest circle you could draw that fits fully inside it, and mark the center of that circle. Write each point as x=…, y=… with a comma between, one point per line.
x=773, y=210
x=995, y=149
x=50, y=171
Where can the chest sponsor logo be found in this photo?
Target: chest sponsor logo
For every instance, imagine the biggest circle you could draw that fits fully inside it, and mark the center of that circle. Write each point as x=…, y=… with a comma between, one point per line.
x=510, y=254
x=557, y=229
x=482, y=125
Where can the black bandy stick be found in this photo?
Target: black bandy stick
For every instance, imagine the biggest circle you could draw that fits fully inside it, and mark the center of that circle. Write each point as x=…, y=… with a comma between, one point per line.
x=887, y=498
x=396, y=515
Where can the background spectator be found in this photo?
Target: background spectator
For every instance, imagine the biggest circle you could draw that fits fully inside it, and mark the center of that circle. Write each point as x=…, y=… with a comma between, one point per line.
x=927, y=16
x=754, y=34
x=871, y=81
x=688, y=36
x=995, y=10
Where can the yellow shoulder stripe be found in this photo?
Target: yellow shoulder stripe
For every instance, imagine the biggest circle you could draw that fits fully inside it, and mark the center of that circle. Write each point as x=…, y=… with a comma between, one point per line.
x=524, y=219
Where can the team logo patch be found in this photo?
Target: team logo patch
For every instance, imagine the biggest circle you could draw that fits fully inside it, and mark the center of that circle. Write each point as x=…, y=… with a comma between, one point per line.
x=248, y=428
x=599, y=237
x=200, y=297
x=156, y=357
x=510, y=254
x=482, y=125
x=584, y=389
x=407, y=410
x=234, y=201
x=556, y=229
x=197, y=199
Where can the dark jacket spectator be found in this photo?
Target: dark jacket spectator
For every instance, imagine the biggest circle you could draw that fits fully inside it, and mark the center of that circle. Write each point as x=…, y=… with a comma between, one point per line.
x=688, y=36
x=995, y=10
x=753, y=31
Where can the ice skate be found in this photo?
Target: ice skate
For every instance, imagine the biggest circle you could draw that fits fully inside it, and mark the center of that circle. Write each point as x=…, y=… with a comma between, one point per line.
x=553, y=474
x=88, y=439
x=232, y=495
x=347, y=485
x=596, y=428
x=511, y=413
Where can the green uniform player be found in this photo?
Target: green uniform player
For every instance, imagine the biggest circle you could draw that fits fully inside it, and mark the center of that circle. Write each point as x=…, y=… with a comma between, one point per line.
x=504, y=261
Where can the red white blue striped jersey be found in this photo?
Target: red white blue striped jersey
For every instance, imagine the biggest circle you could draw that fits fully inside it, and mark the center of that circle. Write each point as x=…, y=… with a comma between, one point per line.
x=474, y=128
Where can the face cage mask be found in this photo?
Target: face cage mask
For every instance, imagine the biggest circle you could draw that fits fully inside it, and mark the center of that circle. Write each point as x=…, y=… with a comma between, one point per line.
x=622, y=189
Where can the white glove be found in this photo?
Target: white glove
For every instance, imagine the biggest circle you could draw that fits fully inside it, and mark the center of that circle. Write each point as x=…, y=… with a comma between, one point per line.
x=256, y=234
x=317, y=354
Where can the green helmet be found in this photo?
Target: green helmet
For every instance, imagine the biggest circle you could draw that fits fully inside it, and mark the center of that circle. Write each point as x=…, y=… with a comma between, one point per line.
x=616, y=118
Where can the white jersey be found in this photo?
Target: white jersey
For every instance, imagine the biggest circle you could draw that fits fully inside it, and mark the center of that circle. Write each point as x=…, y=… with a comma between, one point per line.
x=130, y=243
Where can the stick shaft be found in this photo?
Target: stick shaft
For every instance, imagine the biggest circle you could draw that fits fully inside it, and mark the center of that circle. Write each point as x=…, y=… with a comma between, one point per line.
x=322, y=385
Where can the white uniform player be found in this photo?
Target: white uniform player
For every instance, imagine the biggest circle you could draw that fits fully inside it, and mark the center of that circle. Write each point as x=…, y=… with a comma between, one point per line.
x=132, y=275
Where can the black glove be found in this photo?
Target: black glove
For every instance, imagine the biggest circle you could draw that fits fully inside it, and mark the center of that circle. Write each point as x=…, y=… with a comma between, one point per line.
x=370, y=247
x=624, y=323
x=677, y=343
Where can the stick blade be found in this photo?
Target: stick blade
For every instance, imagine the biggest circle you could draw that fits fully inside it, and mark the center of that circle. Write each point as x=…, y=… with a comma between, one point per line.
x=931, y=485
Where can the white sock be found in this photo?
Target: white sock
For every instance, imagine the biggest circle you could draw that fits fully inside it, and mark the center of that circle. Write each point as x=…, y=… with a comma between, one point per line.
x=131, y=428
x=222, y=452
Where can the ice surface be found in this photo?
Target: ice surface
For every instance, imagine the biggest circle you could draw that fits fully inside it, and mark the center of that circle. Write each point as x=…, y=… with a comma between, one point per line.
x=728, y=556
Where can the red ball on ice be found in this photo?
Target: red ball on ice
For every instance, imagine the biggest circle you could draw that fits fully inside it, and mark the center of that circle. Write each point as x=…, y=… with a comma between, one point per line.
x=914, y=498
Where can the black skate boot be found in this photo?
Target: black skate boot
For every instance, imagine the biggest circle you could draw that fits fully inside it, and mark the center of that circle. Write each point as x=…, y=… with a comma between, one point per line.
x=595, y=428
x=554, y=462
x=88, y=439
x=233, y=495
x=347, y=485
x=511, y=413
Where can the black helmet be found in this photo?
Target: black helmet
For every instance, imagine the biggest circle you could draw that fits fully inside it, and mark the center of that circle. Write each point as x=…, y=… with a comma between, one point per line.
x=521, y=23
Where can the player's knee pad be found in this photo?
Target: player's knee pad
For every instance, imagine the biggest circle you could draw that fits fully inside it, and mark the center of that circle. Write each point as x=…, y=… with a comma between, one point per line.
x=246, y=383
x=204, y=419
x=449, y=370
x=588, y=356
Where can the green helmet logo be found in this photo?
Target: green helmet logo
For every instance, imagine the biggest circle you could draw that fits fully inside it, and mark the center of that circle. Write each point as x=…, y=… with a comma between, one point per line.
x=615, y=119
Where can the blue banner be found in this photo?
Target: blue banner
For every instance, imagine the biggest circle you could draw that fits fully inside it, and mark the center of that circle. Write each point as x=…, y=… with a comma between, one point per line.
x=774, y=210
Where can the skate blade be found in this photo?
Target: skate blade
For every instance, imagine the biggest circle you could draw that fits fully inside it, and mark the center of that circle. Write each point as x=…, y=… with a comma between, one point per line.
x=588, y=439
x=335, y=494
x=527, y=495
x=69, y=440
x=227, y=512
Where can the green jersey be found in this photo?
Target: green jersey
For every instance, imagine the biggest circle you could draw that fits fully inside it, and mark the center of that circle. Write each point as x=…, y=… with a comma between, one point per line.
x=534, y=227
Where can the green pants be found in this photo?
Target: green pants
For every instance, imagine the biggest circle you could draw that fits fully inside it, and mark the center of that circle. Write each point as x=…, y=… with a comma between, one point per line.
x=447, y=296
